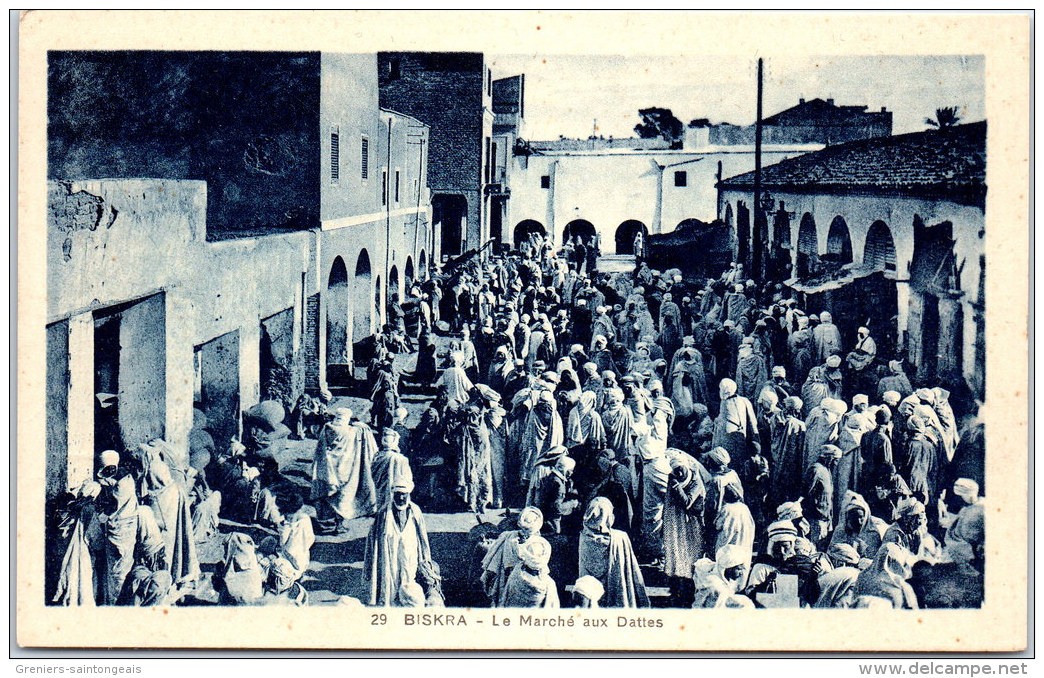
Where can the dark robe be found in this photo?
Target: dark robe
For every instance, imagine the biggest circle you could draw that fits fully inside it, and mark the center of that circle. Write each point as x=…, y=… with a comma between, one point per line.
x=922, y=468
x=819, y=503
x=878, y=462
x=426, y=368
x=471, y=459
x=788, y=466
x=610, y=559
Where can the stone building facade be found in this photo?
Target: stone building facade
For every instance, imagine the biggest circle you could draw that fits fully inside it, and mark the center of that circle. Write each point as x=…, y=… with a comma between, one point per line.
x=169, y=291
x=898, y=222
x=509, y=109
x=816, y=121
x=611, y=194
x=452, y=93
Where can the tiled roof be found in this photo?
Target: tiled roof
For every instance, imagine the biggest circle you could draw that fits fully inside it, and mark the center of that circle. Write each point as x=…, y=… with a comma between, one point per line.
x=946, y=163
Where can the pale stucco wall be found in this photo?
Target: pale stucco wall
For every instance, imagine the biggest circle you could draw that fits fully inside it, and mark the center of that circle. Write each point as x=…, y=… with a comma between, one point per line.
x=150, y=238
x=607, y=189
x=860, y=211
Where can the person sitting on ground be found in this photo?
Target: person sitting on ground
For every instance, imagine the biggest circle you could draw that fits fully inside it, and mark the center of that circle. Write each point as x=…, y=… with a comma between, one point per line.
x=587, y=591
x=503, y=556
x=530, y=584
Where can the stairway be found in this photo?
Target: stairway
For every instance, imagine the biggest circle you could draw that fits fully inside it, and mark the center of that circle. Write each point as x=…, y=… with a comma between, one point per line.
x=616, y=263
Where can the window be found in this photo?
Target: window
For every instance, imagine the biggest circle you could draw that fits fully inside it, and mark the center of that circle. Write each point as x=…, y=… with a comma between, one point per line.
x=335, y=156
x=396, y=185
x=489, y=81
x=486, y=172
x=365, y=158
x=493, y=163
x=545, y=181
x=394, y=69
x=384, y=187
x=681, y=179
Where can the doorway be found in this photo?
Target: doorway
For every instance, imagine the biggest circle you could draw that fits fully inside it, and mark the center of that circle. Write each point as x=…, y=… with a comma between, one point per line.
x=130, y=368
x=626, y=233
x=217, y=372
x=929, y=338
x=450, y=215
x=277, y=358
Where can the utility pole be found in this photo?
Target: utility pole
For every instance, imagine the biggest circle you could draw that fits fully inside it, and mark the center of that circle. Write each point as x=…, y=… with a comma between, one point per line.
x=758, y=245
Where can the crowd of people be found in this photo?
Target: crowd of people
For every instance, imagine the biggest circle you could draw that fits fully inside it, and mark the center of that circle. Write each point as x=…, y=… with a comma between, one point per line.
x=645, y=439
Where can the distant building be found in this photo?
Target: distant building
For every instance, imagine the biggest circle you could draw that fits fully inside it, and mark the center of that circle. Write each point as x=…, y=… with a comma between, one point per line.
x=600, y=144
x=816, y=121
x=509, y=109
x=223, y=227
x=452, y=93
x=899, y=220
x=610, y=192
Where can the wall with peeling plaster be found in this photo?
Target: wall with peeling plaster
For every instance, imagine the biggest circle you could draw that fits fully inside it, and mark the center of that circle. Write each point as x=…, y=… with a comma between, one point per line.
x=247, y=123
x=156, y=243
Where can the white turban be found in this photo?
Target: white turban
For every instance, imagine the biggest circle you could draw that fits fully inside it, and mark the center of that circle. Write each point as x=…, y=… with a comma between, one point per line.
x=966, y=488
x=590, y=588
x=110, y=458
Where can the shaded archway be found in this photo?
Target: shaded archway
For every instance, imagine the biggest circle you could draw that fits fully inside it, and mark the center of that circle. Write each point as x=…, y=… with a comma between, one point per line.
x=625, y=234
x=839, y=242
x=877, y=291
x=743, y=234
x=423, y=269
x=808, y=246
x=393, y=284
x=526, y=228
x=779, y=262
x=879, y=250
x=362, y=318
x=378, y=307
x=581, y=228
x=409, y=275
x=337, y=313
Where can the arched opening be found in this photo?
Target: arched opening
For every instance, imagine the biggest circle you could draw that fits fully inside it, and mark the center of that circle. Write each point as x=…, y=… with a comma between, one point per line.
x=879, y=251
x=449, y=214
x=626, y=233
x=378, y=307
x=525, y=228
x=408, y=273
x=728, y=214
x=579, y=228
x=393, y=284
x=362, y=317
x=839, y=243
x=808, y=246
x=337, y=314
x=878, y=290
x=779, y=252
x=743, y=234
x=423, y=269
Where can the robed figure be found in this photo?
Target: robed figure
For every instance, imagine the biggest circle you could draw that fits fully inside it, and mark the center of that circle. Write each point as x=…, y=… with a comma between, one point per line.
x=342, y=475
x=398, y=568
x=607, y=555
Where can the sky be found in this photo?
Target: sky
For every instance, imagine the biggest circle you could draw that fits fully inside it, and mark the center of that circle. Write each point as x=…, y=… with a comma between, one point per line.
x=566, y=94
